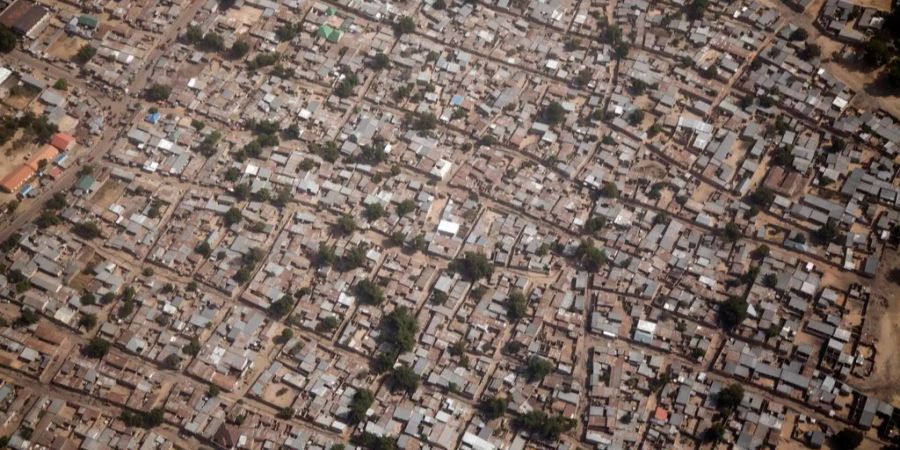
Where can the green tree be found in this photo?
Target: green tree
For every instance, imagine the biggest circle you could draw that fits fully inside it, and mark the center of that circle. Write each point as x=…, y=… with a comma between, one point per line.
x=96, y=348
x=405, y=207
x=85, y=53
x=193, y=34
x=635, y=117
x=762, y=197
x=403, y=378
x=213, y=41
x=893, y=73
x=554, y=113
x=876, y=52
x=369, y=292
x=694, y=10
x=192, y=348
x=492, y=407
x=827, y=233
x=543, y=426
x=239, y=49
x=359, y=405
x=538, y=368
x=232, y=216
x=800, y=34
x=473, y=266
x=760, y=252
x=729, y=398
x=516, y=305
x=810, y=51
x=732, y=312
x=374, y=211
x=328, y=324
x=8, y=39
x=609, y=190
x=846, y=439
x=380, y=61
x=405, y=25
x=157, y=92
x=86, y=230
x=281, y=307
x=399, y=329
x=287, y=32
x=87, y=321
x=286, y=335
x=345, y=225
x=592, y=257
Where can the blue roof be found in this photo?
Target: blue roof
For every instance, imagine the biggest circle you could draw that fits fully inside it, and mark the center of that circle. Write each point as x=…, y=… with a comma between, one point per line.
x=153, y=117
x=456, y=100
x=25, y=190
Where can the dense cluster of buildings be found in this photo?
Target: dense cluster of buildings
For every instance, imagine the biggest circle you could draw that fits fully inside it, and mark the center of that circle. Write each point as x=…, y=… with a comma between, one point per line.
x=501, y=225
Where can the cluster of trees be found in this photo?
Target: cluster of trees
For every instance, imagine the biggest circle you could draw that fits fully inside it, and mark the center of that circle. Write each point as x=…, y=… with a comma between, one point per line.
x=592, y=258
x=882, y=48
x=402, y=378
x=86, y=230
x=371, y=441
x=538, y=368
x=473, y=266
x=214, y=42
x=265, y=134
x=143, y=419
x=264, y=59
x=248, y=261
x=37, y=128
x=543, y=426
x=612, y=36
x=207, y=146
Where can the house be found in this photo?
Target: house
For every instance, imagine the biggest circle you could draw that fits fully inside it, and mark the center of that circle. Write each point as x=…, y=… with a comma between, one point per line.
x=62, y=141
x=24, y=17
x=17, y=178
x=47, y=153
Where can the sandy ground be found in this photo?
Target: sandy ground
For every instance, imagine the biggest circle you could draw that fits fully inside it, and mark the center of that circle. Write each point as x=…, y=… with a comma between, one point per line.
x=870, y=90
x=885, y=380
x=884, y=5
x=65, y=47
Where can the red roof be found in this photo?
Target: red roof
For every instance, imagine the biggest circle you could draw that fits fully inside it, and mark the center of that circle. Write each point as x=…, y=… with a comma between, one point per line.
x=54, y=172
x=48, y=152
x=661, y=415
x=62, y=141
x=15, y=179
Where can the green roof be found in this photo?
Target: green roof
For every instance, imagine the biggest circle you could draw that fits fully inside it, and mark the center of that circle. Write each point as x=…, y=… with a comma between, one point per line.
x=88, y=21
x=85, y=183
x=330, y=33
